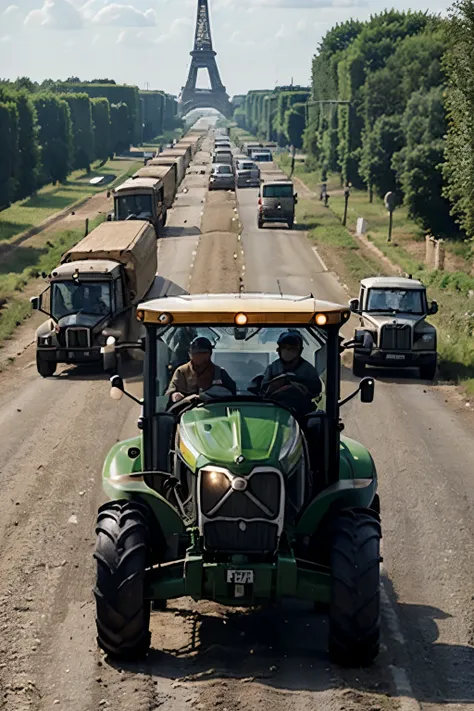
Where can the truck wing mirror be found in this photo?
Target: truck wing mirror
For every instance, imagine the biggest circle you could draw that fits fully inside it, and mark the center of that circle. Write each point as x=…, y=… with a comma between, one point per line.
x=433, y=308
x=354, y=305
x=35, y=302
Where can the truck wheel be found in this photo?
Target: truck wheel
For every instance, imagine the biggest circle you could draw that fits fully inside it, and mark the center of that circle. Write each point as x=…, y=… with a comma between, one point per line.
x=46, y=368
x=290, y=224
x=122, y=553
x=358, y=367
x=164, y=217
x=354, y=615
x=260, y=223
x=428, y=372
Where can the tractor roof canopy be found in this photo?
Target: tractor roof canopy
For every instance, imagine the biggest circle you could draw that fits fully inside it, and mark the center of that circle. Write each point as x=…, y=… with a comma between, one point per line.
x=242, y=310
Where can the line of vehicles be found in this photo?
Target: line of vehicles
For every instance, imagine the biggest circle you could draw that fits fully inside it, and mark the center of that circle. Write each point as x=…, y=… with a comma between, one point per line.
x=93, y=293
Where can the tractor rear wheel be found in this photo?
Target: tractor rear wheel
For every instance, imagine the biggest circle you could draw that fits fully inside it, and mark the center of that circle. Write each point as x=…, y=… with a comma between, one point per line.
x=122, y=554
x=354, y=614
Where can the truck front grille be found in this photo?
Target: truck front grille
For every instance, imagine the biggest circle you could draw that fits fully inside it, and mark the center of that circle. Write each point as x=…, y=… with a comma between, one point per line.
x=77, y=337
x=395, y=337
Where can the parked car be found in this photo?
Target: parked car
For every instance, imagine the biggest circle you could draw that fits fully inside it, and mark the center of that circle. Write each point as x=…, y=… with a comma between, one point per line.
x=223, y=155
x=247, y=174
x=222, y=177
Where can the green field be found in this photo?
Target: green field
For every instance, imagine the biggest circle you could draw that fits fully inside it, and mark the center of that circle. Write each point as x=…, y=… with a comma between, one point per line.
x=28, y=213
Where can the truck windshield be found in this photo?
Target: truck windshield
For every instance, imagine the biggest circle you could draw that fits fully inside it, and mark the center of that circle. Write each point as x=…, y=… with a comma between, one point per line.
x=139, y=205
x=243, y=353
x=411, y=301
x=70, y=297
x=277, y=191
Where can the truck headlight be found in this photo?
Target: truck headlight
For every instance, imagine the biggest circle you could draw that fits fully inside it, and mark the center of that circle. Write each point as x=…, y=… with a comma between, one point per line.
x=45, y=341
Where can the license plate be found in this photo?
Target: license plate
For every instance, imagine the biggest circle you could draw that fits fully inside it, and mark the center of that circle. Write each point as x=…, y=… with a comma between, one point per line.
x=240, y=577
x=394, y=356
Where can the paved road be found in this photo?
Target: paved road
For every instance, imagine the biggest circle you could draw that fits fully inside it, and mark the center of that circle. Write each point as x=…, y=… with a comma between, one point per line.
x=54, y=437
x=424, y=453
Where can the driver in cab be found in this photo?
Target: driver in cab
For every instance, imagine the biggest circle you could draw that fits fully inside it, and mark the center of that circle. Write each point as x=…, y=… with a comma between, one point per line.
x=290, y=347
x=199, y=374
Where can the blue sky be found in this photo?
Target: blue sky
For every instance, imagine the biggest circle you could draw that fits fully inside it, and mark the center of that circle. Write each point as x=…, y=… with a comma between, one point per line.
x=259, y=43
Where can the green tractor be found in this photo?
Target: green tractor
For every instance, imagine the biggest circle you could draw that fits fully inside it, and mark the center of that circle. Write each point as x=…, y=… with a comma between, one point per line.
x=243, y=498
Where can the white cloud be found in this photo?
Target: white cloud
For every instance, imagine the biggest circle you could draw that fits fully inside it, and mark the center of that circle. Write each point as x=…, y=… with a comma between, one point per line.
x=177, y=28
x=63, y=14
x=58, y=14
x=124, y=16
x=5, y=38
x=11, y=10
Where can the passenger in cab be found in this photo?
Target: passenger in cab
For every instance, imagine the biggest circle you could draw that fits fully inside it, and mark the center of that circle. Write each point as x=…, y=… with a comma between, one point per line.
x=199, y=374
x=290, y=347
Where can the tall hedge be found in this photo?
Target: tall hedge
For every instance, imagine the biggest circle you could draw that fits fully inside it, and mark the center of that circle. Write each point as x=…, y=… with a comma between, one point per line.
x=120, y=121
x=55, y=137
x=102, y=128
x=8, y=151
x=83, y=129
x=153, y=113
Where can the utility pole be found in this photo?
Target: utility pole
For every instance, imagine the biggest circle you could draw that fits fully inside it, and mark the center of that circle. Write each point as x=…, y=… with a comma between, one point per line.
x=147, y=86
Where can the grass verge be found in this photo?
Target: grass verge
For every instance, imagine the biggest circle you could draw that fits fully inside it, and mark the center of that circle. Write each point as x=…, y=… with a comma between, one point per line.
x=28, y=213
x=454, y=291
x=16, y=307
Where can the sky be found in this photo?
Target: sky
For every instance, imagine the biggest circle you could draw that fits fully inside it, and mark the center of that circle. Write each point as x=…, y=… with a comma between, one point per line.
x=259, y=43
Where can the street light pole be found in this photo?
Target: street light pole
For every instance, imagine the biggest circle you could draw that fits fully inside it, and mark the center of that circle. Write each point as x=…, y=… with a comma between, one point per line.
x=347, y=192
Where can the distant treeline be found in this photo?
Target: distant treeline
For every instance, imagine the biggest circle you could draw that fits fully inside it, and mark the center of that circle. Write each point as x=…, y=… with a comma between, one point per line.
x=391, y=108
x=48, y=130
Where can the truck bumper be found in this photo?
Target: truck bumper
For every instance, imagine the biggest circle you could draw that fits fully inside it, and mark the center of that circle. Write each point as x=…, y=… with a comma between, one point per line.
x=76, y=355
x=396, y=359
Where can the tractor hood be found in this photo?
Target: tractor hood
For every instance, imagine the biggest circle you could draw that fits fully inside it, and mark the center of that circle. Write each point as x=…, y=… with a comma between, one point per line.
x=239, y=437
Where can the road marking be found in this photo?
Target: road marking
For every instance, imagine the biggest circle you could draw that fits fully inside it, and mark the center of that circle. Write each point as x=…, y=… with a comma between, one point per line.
x=405, y=696
x=316, y=254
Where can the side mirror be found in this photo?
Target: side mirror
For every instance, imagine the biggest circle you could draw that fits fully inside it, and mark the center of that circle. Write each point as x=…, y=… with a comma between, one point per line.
x=117, y=390
x=354, y=305
x=367, y=389
x=35, y=302
x=433, y=308
x=109, y=217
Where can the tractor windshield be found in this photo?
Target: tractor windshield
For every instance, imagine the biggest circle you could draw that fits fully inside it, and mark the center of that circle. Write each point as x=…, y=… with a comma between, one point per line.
x=243, y=353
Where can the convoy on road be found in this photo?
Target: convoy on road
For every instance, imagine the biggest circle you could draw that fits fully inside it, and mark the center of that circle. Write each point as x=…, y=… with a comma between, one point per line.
x=196, y=507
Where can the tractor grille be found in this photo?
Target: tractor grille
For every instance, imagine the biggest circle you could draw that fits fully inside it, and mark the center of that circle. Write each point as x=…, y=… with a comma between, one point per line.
x=77, y=338
x=228, y=537
x=246, y=521
x=395, y=337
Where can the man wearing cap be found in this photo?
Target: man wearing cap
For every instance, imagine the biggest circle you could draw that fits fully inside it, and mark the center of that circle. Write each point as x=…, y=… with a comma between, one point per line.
x=199, y=374
x=290, y=348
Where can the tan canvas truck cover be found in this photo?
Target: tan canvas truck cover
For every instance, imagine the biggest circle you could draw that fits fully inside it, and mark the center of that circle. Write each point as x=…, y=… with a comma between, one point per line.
x=131, y=243
x=192, y=141
x=165, y=173
x=178, y=161
x=184, y=152
x=139, y=185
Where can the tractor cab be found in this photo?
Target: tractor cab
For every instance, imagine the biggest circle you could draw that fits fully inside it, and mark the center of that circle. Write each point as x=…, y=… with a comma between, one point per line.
x=240, y=476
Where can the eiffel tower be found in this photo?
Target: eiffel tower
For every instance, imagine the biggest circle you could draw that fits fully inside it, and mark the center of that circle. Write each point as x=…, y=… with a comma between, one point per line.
x=204, y=57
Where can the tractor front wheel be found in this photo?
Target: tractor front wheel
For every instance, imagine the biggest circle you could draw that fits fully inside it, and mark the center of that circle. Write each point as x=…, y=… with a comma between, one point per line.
x=354, y=615
x=122, y=554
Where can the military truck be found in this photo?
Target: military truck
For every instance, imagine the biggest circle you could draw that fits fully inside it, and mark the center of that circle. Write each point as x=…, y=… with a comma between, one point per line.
x=176, y=161
x=165, y=173
x=183, y=151
x=393, y=328
x=92, y=294
x=140, y=199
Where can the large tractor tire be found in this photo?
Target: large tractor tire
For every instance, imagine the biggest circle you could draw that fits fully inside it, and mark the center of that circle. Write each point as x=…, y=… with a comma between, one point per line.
x=122, y=554
x=46, y=368
x=354, y=614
